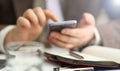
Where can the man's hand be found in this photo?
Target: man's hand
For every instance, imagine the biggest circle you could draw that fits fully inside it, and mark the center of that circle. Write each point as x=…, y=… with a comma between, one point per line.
x=71, y=38
x=30, y=25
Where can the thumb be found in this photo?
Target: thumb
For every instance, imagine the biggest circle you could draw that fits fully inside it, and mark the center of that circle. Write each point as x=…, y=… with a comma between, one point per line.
x=87, y=19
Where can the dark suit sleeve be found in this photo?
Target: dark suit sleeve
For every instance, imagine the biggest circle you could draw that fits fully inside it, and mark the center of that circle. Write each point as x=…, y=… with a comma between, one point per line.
x=110, y=34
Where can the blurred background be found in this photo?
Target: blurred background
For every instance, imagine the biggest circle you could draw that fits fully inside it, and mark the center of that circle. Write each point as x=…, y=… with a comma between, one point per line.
x=105, y=11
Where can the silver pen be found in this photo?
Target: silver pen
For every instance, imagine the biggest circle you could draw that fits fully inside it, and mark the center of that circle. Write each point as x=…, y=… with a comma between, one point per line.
x=72, y=53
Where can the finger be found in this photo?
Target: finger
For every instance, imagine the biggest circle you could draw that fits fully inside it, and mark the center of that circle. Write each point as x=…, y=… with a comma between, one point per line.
x=72, y=32
x=77, y=32
x=50, y=15
x=87, y=19
x=23, y=22
x=59, y=43
x=40, y=15
x=30, y=15
x=64, y=38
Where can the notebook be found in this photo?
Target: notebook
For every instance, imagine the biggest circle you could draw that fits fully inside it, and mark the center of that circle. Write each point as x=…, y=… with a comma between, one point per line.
x=95, y=56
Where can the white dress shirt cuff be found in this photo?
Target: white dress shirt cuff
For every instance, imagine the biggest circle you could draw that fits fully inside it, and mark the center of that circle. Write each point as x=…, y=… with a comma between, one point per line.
x=3, y=34
x=97, y=38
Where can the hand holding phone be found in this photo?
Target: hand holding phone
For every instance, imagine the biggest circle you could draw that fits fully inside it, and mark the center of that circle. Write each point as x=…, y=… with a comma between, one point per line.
x=58, y=26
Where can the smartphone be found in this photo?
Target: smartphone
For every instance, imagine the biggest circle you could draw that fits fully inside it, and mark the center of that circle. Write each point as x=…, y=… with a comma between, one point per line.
x=58, y=26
